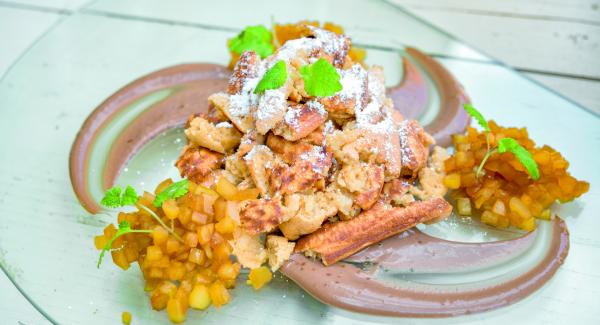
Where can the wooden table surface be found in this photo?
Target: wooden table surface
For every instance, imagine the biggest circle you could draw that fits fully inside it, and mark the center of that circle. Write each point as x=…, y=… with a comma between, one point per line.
x=556, y=42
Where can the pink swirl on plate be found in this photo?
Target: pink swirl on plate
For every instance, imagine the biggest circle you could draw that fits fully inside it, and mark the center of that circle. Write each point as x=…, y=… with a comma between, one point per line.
x=415, y=259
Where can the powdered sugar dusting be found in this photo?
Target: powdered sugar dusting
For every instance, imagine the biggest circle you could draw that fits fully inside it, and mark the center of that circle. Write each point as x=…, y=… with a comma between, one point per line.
x=375, y=116
x=291, y=116
x=292, y=48
x=332, y=43
x=354, y=85
x=272, y=103
x=316, y=156
x=404, y=145
x=329, y=128
x=316, y=106
x=224, y=125
x=255, y=150
x=241, y=104
x=294, y=113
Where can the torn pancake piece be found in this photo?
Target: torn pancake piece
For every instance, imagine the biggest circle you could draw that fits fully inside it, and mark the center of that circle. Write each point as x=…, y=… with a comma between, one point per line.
x=195, y=163
x=222, y=137
x=248, y=249
x=261, y=215
x=312, y=210
x=336, y=241
x=279, y=250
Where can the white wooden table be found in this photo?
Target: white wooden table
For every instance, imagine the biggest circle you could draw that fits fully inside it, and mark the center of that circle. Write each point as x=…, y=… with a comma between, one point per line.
x=556, y=42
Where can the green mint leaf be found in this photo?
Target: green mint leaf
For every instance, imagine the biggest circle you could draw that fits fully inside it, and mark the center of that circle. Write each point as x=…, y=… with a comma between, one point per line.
x=253, y=38
x=173, y=191
x=274, y=78
x=124, y=228
x=477, y=116
x=320, y=79
x=130, y=197
x=524, y=157
x=112, y=198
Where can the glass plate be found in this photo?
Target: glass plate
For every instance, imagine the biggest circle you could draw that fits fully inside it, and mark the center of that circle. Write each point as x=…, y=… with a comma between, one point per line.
x=46, y=244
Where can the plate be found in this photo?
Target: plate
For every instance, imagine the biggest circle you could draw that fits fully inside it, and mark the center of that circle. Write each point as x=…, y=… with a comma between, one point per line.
x=46, y=236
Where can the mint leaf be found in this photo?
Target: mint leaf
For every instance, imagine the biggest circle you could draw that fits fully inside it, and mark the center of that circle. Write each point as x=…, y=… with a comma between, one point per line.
x=130, y=197
x=173, y=191
x=124, y=228
x=320, y=79
x=524, y=157
x=274, y=78
x=477, y=116
x=112, y=198
x=253, y=38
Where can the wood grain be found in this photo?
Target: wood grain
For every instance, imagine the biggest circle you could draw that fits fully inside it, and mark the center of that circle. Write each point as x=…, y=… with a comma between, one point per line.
x=585, y=92
x=557, y=42
x=584, y=11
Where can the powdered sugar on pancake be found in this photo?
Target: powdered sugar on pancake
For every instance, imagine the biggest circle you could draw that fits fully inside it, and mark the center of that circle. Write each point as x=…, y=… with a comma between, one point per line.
x=354, y=85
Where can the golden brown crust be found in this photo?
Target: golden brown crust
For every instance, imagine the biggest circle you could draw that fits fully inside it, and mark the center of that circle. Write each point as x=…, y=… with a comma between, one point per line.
x=288, y=151
x=222, y=103
x=261, y=215
x=246, y=67
x=366, y=198
x=303, y=174
x=197, y=162
x=249, y=140
x=214, y=115
x=335, y=241
x=414, y=142
x=300, y=120
x=338, y=53
x=394, y=190
x=363, y=180
x=316, y=137
x=339, y=107
x=346, y=102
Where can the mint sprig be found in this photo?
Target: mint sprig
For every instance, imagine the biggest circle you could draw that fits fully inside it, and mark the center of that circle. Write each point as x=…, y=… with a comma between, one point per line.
x=274, y=78
x=115, y=197
x=253, y=38
x=504, y=145
x=477, y=116
x=524, y=156
x=320, y=79
x=173, y=191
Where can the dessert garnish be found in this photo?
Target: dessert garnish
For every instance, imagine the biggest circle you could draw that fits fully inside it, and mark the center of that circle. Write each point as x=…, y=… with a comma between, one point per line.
x=253, y=38
x=320, y=79
x=274, y=78
x=515, y=181
x=113, y=198
x=504, y=145
x=173, y=191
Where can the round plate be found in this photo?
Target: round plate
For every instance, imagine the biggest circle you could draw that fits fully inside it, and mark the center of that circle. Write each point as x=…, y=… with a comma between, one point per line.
x=46, y=245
